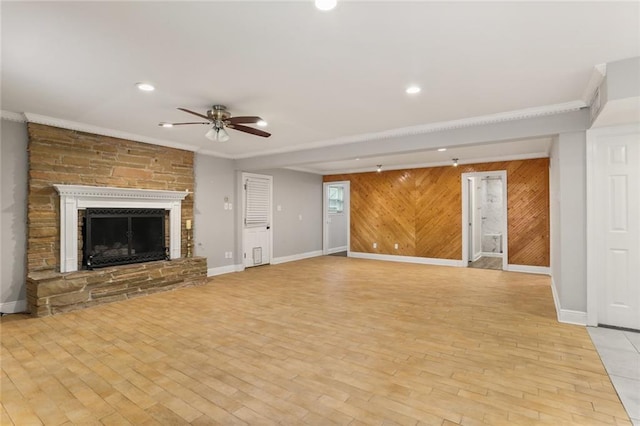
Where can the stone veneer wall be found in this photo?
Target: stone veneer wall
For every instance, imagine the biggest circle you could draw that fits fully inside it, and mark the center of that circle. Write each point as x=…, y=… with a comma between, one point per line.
x=51, y=292
x=61, y=156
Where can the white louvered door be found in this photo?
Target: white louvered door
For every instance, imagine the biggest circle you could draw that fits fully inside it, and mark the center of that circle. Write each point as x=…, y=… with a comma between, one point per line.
x=257, y=190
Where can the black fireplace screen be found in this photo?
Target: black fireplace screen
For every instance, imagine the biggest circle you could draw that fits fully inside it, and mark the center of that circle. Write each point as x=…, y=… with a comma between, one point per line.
x=121, y=236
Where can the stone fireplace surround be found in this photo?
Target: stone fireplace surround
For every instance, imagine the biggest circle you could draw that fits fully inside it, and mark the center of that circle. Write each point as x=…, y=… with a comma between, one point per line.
x=50, y=292
x=96, y=170
x=79, y=197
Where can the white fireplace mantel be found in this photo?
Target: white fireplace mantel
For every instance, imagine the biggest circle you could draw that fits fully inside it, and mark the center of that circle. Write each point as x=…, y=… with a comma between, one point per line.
x=79, y=197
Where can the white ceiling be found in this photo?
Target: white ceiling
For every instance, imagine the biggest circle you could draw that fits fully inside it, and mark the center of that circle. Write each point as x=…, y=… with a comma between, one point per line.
x=316, y=77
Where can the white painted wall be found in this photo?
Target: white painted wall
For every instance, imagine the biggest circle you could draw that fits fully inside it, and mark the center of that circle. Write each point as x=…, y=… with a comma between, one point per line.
x=297, y=227
x=568, y=225
x=214, y=225
x=13, y=225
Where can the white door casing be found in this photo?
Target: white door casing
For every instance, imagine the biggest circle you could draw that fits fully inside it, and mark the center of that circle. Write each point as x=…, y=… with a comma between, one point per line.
x=257, y=201
x=466, y=219
x=613, y=226
x=327, y=219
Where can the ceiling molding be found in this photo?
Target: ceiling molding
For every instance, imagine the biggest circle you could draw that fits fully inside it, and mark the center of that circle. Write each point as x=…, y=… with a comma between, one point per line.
x=12, y=116
x=522, y=114
x=529, y=156
x=597, y=75
x=88, y=128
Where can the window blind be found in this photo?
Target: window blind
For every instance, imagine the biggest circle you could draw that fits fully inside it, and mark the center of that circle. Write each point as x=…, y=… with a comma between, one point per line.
x=257, y=202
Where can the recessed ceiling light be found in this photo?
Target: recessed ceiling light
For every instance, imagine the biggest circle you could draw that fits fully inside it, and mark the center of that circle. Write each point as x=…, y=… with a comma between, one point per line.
x=145, y=87
x=261, y=123
x=357, y=159
x=326, y=5
x=442, y=149
x=165, y=124
x=412, y=90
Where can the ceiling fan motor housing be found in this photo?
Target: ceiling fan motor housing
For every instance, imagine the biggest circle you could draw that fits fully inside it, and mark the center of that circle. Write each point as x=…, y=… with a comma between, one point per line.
x=219, y=113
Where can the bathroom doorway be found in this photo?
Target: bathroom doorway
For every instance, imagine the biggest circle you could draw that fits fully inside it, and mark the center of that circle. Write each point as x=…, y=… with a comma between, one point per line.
x=484, y=220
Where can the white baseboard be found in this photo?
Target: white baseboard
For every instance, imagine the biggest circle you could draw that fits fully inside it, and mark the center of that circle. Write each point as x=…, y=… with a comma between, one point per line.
x=542, y=270
x=212, y=272
x=13, y=307
x=407, y=259
x=292, y=258
x=567, y=316
x=336, y=249
x=490, y=254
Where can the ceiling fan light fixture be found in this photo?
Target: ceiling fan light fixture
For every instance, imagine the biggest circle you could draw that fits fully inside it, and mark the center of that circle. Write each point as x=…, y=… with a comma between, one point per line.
x=326, y=5
x=261, y=123
x=217, y=134
x=165, y=124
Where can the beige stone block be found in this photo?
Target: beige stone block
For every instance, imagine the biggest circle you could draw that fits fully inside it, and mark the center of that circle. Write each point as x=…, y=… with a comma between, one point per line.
x=60, y=287
x=69, y=299
x=130, y=172
x=43, y=231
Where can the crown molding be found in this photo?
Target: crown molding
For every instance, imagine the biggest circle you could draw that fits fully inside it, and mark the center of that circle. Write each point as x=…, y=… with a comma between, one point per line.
x=12, y=116
x=521, y=114
x=103, y=131
x=370, y=169
x=598, y=74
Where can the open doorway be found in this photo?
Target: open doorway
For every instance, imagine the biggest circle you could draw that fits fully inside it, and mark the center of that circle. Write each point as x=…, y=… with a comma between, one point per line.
x=484, y=220
x=336, y=220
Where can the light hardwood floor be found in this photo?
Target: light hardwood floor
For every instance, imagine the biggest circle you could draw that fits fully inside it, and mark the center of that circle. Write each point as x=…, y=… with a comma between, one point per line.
x=320, y=341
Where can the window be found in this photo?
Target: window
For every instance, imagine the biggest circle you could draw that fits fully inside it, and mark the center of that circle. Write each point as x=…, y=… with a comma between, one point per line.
x=336, y=199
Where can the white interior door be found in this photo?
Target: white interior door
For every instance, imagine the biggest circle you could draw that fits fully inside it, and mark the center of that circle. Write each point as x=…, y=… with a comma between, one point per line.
x=256, y=233
x=615, y=188
x=336, y=217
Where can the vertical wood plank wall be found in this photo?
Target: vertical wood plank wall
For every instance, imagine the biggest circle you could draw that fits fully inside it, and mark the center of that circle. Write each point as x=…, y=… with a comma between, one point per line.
x=421, y=210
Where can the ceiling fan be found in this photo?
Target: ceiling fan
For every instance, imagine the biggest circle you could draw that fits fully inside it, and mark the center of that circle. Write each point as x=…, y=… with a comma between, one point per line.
x=220, y=118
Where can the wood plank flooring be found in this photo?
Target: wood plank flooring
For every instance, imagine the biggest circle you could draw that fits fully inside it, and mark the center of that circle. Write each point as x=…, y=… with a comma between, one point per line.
x=323, y=341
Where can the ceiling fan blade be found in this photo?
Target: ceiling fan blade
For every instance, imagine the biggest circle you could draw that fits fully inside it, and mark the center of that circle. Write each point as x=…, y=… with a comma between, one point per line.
x=192, y=122
x=251, y=130
x=243, y=120
x=194, y=113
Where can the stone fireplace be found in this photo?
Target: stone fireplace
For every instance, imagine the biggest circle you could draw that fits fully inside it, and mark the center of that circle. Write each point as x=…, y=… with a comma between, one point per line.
x=73, y=173
x=74, y=198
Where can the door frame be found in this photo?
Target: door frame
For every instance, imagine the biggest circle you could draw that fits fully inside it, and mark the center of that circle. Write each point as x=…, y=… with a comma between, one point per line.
x=464, y=177
x=245, y=175
x=325, y=214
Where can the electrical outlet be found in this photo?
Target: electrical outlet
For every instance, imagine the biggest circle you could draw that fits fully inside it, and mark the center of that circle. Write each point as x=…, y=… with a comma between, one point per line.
x=230, y=206
x=375, y=245
x=395, y=246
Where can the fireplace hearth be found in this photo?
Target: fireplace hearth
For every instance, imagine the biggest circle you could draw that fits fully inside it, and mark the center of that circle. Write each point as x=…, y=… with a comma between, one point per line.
x=118, y=236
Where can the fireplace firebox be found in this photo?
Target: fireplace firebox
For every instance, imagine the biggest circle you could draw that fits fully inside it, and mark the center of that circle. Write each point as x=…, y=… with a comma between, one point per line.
x=118, y=236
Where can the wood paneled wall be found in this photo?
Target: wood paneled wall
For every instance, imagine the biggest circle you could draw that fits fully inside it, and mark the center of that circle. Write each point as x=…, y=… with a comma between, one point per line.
x=421, y=210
